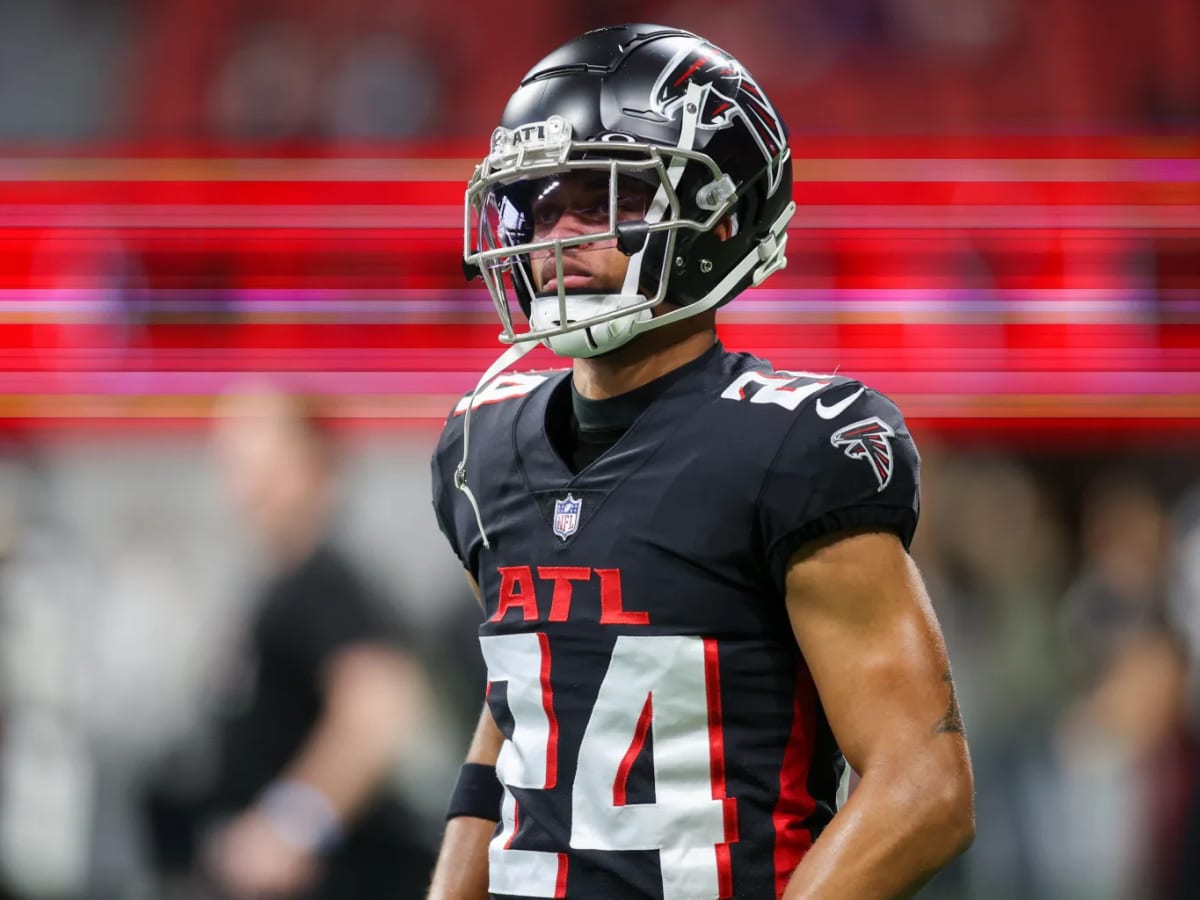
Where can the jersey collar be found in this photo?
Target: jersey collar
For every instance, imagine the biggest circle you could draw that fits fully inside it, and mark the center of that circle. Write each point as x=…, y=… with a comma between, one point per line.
x=651, y=405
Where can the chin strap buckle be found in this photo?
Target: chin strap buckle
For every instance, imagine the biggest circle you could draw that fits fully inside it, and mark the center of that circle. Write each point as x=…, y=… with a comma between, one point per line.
x=772, y=248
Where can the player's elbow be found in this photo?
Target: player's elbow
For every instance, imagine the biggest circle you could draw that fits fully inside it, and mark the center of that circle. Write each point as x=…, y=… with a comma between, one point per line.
x=948, y=813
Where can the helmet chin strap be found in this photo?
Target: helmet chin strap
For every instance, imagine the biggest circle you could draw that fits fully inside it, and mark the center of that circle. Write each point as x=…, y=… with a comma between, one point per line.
x=506, y=359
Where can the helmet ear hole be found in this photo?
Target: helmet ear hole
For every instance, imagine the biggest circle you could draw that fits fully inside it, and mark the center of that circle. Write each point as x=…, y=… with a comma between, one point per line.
x=704, y=265
x=726, y=228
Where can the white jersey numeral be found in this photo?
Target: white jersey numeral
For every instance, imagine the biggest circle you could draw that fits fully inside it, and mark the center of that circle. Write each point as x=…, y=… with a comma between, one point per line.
x=777, y=388
x=660, y=684
x=507, y=387
x=663, y=687
x=528, y=760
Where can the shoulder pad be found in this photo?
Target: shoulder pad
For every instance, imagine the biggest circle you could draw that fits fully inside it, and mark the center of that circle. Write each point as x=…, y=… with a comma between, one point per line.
x=782, y=388
x=506, y=386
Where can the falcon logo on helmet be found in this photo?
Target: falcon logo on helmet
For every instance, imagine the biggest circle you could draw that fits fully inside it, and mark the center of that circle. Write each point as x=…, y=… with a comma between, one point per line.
x=870, y=440
x=731, y=92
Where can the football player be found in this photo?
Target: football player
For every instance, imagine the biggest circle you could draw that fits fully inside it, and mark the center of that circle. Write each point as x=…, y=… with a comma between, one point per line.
x=698, y=601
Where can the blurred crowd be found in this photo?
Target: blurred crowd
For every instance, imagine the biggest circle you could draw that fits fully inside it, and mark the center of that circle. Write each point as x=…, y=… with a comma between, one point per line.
x=369, y=69
x=138, y=575
x=1063, y=584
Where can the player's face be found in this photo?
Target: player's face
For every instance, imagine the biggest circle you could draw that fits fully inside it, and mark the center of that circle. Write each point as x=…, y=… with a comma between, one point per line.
x=577, y=204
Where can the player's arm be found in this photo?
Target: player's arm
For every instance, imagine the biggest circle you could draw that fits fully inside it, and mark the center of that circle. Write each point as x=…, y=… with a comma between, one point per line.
x=865, y=625
x=462, y=866
x=371, y=695
x=273, y=848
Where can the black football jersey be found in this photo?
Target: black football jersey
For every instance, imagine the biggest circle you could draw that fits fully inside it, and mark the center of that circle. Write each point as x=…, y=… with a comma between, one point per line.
x=664, y=738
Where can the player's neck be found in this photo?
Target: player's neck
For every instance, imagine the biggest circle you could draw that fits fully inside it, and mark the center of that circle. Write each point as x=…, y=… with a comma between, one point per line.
x=645, y=359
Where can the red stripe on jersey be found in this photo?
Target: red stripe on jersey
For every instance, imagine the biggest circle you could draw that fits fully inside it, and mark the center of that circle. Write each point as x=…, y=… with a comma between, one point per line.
x=516, y=824
x=551, y=718
x=560, y=885
x=716, y=747
x=724, y=871
x=795, y=804
x=635, y=749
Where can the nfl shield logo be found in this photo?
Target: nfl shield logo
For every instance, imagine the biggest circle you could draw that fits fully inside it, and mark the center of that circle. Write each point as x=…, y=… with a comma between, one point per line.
x=566, y=516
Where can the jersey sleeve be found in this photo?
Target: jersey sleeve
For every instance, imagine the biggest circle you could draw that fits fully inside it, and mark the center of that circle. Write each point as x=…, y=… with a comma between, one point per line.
x=441, y=502
x=442, y=467
x=860, y=469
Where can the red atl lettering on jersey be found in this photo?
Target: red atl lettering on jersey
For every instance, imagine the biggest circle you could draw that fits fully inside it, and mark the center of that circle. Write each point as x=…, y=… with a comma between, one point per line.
x=612, y=607
x=518, y=591
x=562, y=576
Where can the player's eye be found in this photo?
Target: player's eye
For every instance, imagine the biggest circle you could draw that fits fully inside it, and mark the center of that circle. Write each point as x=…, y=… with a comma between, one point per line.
x=546, y=214
x=631, y=203
x=592, y=208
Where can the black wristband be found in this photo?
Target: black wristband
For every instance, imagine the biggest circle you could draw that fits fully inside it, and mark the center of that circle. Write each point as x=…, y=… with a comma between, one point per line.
x=477, y=793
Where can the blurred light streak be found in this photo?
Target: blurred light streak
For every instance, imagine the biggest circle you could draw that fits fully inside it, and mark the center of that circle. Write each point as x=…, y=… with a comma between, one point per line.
x=1030, y=286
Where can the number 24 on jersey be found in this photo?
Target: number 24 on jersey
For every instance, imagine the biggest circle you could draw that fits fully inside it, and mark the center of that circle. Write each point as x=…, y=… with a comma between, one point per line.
x=664, y=685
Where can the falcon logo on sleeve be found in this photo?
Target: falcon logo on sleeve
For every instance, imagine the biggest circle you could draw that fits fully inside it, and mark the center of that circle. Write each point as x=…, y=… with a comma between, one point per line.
x=869, y=440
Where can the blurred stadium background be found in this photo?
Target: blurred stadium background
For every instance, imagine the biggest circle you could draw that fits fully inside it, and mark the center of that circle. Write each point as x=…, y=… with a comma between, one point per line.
x=999, y=226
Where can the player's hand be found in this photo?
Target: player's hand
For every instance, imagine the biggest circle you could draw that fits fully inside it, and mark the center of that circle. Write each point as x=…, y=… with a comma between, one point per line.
x=250, y=860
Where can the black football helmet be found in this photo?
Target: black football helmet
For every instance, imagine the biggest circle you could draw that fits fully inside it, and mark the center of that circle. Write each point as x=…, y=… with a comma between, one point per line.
x=676, y=138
